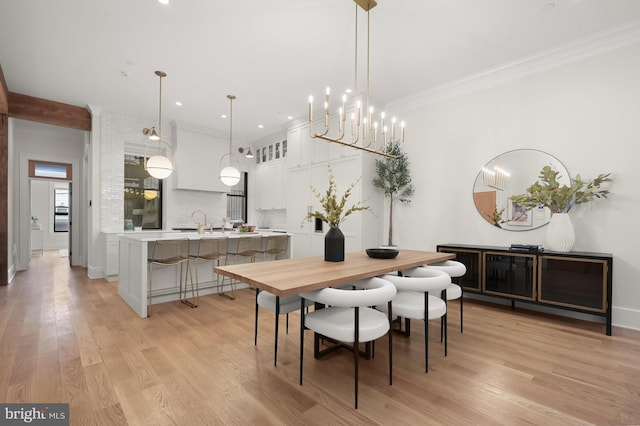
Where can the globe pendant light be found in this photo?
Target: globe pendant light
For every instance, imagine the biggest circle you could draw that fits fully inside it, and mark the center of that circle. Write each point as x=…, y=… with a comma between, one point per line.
x=229, y=175
x=158, y=166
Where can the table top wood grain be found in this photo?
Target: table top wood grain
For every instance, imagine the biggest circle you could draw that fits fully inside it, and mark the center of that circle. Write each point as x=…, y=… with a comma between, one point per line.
x=291, y=276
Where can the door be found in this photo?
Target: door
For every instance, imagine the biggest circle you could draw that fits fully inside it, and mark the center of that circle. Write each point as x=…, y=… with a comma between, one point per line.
x=70, y=222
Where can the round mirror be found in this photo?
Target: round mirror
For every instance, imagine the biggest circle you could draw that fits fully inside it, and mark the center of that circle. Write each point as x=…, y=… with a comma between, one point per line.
x=510, y=174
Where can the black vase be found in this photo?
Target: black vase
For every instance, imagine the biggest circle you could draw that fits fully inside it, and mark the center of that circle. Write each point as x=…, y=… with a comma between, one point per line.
x=334, y=245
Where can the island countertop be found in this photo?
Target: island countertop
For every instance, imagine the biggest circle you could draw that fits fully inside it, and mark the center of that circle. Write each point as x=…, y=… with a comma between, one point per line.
x=173, y=235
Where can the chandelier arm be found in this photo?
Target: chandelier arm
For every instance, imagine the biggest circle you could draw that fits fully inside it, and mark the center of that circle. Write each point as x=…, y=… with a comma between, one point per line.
x=312, y=131
x=362, y=148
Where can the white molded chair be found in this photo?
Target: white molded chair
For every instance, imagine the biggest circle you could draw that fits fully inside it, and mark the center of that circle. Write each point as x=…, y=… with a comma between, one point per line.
x=349, y=317
x=454, y=269
x=413, y=301
x=279, y=305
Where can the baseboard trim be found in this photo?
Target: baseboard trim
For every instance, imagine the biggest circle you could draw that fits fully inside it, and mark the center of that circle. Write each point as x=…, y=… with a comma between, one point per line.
x=626, y=318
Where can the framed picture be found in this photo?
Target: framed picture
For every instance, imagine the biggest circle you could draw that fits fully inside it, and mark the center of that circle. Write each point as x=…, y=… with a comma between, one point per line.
x=518, y=215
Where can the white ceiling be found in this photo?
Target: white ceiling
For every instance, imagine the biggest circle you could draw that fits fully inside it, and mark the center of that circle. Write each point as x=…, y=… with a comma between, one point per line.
x=271, y=54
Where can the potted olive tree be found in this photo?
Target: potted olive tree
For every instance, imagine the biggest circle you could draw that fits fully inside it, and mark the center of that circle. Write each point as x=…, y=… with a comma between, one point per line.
x=394, y=179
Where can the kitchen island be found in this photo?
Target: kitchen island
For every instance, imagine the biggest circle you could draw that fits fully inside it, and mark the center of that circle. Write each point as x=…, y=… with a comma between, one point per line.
x=134, y=248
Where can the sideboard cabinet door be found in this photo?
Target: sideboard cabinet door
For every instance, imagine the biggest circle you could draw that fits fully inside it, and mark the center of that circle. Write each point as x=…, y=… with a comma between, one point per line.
x=574, y=282
x=510, y=274
x=471, y=259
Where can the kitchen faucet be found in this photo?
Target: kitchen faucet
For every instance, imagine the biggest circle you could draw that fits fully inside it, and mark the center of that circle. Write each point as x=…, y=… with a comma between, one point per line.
x=203, y=214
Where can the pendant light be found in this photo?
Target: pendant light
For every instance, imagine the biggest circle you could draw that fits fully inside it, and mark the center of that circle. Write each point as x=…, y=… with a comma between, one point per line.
x=158, y=166
x=229, y=175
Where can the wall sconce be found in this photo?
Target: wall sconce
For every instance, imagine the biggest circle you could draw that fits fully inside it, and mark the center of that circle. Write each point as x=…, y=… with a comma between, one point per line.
x=249, y=154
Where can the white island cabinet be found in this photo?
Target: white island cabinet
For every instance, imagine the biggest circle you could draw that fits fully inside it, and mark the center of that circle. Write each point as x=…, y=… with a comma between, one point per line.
x=132, y=271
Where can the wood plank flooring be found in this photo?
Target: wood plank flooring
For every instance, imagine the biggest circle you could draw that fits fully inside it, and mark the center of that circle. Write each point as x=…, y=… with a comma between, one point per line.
x=66, y=338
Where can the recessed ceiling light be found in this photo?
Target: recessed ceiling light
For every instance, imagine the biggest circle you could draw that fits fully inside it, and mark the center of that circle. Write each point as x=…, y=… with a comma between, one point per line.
x=178, y=103
x=348, y=91
x=163, y=1
x=260, y=126
x=290, y=117
x=223, y=115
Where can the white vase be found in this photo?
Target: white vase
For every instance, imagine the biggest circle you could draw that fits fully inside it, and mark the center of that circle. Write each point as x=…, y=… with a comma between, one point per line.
x=560, y=233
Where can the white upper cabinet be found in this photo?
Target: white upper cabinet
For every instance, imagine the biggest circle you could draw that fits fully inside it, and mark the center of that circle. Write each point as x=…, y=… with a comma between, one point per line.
x=197, y=158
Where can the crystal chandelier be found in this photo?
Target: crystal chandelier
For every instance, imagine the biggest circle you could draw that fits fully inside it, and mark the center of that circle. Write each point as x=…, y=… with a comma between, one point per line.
x=367, y=134
x=158, y=166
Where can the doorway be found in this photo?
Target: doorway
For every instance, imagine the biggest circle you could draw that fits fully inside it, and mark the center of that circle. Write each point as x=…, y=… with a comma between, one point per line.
x=50, y=207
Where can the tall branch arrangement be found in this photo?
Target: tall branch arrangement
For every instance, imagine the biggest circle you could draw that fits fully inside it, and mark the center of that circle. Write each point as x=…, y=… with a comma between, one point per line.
x=394, y=179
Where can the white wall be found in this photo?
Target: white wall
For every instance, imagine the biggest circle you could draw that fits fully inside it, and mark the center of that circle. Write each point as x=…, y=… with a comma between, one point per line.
x=585, y=113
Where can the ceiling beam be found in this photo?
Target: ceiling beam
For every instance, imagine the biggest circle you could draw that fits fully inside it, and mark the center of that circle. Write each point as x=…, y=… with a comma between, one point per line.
x=4, y=94
x=45, y=111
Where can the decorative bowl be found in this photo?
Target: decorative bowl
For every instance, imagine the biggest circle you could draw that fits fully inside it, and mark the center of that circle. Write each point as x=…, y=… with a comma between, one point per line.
x=246, y=228
x=382, y=253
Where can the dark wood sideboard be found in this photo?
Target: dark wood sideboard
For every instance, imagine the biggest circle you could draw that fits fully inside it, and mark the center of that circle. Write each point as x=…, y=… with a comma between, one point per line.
x=576, y=281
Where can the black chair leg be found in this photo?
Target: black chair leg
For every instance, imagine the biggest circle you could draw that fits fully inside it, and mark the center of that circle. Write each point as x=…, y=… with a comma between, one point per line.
x=255, y=330
x=275, y=345
x=389, y=307
x=461, y=298
x=356, y=351
x=426, y=332
x=301, y=336
x=444, y=317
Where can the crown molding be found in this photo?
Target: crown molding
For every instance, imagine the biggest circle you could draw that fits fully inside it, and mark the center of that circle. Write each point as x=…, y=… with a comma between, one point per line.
x=595, y=44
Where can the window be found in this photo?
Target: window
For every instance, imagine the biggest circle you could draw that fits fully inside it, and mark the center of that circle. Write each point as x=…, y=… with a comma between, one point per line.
x=61, y=209
x=49, y=170
x=237, y=201
x=142, y=196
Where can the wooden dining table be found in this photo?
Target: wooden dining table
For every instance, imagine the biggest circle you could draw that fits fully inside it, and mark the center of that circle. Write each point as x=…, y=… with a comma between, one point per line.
x=291, y=276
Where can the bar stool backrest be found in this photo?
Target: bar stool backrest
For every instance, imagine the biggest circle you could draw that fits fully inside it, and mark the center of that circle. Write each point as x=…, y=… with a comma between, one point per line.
x=275, y=244
x=249, y=246
x=212, y=248
x=169, y=252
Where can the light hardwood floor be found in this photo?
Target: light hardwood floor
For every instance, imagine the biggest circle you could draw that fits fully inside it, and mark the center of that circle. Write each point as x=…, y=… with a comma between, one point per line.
x=65, y=338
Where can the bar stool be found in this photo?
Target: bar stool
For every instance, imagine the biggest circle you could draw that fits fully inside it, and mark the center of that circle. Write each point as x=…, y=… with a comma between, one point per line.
x=274, y=245
x=247, y=248
x=209, y=250
x=168, y=253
